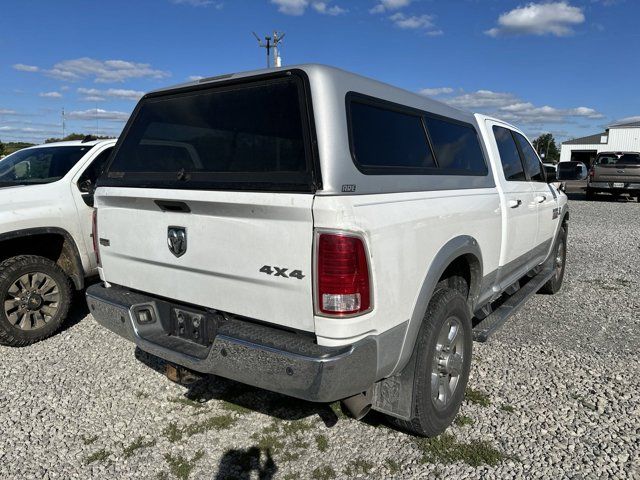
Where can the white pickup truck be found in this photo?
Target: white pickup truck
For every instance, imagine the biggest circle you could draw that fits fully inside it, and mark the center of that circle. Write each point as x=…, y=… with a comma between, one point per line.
x=323, y=235
x=46, y=204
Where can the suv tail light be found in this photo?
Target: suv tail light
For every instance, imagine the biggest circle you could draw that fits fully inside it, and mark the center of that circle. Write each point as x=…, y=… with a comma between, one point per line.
x=342, y=277
x=94, y=236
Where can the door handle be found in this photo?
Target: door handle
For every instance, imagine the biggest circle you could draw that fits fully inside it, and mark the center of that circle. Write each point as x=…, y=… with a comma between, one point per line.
x=515, y=203
x=541, y=198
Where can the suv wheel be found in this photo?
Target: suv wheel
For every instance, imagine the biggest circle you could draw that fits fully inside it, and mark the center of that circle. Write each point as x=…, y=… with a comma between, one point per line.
x=443, y=362
x=559, y=261
x=35, y=295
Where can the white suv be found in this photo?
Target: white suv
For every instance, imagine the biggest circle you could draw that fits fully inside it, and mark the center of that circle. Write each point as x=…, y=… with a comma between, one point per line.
x=46, y=202
x=323, y=235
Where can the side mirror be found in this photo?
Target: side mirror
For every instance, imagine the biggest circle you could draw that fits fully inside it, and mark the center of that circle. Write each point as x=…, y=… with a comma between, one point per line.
x=571, y=171
x=86, y=186
x=552, y=176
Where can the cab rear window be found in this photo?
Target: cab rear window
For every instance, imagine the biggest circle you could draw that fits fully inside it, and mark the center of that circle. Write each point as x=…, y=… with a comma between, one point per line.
x=250, y=135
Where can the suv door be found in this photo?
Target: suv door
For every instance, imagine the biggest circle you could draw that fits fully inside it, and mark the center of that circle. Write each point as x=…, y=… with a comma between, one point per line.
x=520, y=217
x=544, y=198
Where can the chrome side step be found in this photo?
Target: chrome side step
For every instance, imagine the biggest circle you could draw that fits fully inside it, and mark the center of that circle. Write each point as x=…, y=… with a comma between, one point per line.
x=511, y=304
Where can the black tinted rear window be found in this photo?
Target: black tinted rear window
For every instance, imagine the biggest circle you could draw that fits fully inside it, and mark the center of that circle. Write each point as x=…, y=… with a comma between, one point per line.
x=619, y=159
x=246, y=135
x=456, y=146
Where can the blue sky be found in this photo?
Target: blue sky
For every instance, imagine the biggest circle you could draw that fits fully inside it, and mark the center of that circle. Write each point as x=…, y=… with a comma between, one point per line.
x=568, y=67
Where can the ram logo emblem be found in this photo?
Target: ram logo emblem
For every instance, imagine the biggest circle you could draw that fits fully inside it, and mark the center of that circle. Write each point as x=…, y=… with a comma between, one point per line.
x=177, y=240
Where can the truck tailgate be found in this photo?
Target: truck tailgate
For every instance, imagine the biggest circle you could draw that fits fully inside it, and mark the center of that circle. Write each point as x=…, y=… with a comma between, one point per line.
x=241, y=249
x=617, y=173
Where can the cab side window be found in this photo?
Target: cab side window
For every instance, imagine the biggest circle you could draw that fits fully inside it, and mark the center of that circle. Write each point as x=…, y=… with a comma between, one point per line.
x=509, y=155
x=532, y=163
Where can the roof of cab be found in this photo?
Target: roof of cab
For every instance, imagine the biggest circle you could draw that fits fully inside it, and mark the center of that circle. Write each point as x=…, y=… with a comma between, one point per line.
x=70, y=143
x=409, y=98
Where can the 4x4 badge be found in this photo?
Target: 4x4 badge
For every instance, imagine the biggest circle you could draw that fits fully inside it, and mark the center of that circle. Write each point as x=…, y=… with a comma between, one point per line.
x=177, y=240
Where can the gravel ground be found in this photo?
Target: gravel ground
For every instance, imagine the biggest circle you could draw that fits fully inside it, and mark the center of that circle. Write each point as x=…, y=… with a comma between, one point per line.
x=554, y=394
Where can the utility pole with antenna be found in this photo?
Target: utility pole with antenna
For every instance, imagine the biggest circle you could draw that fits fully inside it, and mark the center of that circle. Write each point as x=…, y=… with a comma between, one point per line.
x=271, y=43
x=63, y=125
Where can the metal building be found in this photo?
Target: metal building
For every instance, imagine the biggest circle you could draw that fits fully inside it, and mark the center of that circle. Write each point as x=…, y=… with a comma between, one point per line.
x=619, y=137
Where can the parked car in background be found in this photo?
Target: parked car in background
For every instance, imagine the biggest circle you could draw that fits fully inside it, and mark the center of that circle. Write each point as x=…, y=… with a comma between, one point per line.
x=616, y=173
x=46, y=250
x=323, y=235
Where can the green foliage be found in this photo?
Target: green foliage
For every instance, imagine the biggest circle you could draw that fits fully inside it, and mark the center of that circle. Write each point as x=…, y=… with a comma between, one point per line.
x=322, y=442
x=99, y=456
x=463, y=420
x=2, y=147
x=11, y=147
x=323, y=473
x=182, y=467
x=507, y=408
x=394, y=467
x=477, y=397
x=137, y=444
x=359, y=465
x=75, y=136
x=446, y=449
x=545, y=145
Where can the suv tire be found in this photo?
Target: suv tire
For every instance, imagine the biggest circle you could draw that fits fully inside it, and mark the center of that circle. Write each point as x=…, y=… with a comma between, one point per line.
x=559, y=260
x=35, y=295
x=443, y=347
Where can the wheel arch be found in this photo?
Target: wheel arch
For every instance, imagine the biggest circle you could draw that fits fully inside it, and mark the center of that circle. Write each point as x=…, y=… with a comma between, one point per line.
x=53, y=243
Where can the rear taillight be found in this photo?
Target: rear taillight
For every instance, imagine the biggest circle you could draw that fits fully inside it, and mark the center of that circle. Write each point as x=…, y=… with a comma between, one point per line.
x=343, y=284
x=592, y=173
x=94, y=236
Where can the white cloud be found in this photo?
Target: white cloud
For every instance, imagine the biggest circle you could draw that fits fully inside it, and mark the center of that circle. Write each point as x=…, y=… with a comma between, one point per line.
x=635, y=118
x=6, y=111
x=97, y=113
x=96, y=95
x=556, y=18
x=194, y=78
x=291, y=7
x=482, y=99
x=21, y=67
x=412, y=22
x=434, y=92
x=385, y=5
x=326, y=9
x=50, y=94
x=103, y=71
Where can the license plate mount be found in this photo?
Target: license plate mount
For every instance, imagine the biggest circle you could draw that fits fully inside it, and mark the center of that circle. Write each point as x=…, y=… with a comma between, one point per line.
x=197, y=327
x=618, y=185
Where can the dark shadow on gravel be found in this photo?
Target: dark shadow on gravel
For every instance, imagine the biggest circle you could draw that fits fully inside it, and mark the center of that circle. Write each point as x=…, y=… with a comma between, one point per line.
x=77, y=312
x=239, y=395
x=604, y=198
x=240, y=464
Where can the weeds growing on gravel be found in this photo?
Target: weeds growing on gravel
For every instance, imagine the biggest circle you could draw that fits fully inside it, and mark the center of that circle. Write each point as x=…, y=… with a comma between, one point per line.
x=337, y=409
x=446, y=449
x=507, y=408
x=322, y=442
x=323, y=473
x=187, y=402
x=172, y=432
x=88, y=440
x=463, y=421
x=394, y=467
x=232, y=407
x=359, y=465
x=141, y=394
x=99, y=456
x=137, y=444
x=218, y=422
x=477, y=397
x=182, y=467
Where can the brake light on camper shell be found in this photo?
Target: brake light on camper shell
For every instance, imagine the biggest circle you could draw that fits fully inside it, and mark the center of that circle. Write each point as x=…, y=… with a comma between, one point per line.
x=342, y=275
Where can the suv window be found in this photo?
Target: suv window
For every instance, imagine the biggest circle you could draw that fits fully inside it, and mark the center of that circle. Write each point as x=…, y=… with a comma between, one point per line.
x=456, y=146
x=40, y=165
x=509, y=155
x=532, y=163
x=249, y=136
x=388, y=141
x=94, y=170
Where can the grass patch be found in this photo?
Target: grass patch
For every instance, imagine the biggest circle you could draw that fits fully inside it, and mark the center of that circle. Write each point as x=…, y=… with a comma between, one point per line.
x=463, y=421
x=446, y=449
x=507, y=408
x=477, y=397
x=232, y=407
x=296, y=427
x=173, y=432
x=337, y=409
x=323, y=473
x=99, y=456
x=359, y=465
x=137, y=444
x=322, y=442
x=218, y=422
x=268, y=438
x=187, y=402
x=392, y=465
x=180, y=466
x=88, y=440
x=141, y=394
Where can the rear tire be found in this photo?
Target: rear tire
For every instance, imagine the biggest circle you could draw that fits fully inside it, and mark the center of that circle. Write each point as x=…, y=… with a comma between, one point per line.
x=35, y=295
x=591, y=195
x=443, y=360
x=559, y=261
